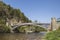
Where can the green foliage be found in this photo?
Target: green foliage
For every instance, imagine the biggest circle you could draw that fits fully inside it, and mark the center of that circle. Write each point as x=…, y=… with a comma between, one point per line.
x=2, y=21
x=22, y=28
x=54, y=35
x=30, y=28
x=6, y=11
x=4, y=28
x=39, y=29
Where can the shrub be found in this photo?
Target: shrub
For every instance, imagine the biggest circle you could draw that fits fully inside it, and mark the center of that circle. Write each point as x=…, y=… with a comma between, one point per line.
x=54, y=35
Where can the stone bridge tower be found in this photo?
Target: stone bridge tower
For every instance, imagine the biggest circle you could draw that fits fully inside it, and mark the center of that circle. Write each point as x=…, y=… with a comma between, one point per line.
x=53, y=24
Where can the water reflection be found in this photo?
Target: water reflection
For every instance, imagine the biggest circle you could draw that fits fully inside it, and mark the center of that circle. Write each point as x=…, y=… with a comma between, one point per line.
x=20, y=36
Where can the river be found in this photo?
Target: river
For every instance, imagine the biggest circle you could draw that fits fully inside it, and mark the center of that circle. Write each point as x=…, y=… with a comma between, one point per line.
x=21, y=36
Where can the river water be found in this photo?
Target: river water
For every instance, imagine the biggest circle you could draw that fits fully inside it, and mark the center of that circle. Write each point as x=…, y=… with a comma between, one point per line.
x=21, y=36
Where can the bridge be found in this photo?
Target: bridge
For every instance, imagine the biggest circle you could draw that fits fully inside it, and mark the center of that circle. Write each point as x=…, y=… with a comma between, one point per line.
x=44, y=25
x=49, y=26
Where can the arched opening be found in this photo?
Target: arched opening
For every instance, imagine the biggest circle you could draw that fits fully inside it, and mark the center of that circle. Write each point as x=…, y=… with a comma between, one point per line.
x=29, y=28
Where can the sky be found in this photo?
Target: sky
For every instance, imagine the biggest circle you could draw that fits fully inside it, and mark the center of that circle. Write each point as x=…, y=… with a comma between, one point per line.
x=40, y=10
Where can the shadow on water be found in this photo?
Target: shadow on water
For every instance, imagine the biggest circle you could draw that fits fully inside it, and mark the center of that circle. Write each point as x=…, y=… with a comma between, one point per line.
x=21, y=36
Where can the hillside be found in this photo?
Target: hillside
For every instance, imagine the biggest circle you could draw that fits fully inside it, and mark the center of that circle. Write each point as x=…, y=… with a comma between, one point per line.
x=9, y=16
x=8, y=12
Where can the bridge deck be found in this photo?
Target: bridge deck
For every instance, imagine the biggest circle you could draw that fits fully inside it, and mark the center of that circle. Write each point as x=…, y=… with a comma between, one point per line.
x=35, y=24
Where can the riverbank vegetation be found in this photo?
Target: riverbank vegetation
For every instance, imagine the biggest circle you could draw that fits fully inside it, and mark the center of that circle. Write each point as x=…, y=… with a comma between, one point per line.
x=53, y=35
x=35, y=29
